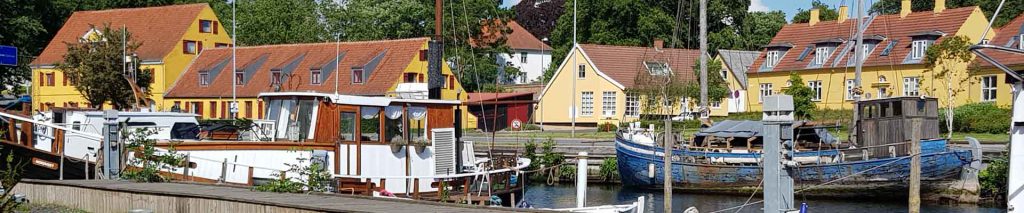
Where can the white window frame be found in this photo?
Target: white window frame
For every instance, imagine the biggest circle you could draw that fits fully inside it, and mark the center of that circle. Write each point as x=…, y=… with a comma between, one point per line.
x=581, y=71
x=587, y=103
x=989, y=88
x=766, y=90
x=865, y=51
x=911, y=86
x=204, y=78
x=883, y=92
x=772, y=58
x=816, y=87
x=608, y=103
x=522, y=57
x=314, y=77
x=716, y=104
x=850, y=84
x=821, y=55
x=918, y=49
x=632, y=105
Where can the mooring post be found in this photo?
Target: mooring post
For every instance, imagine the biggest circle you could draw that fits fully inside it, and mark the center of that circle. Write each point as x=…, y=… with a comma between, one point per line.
x=778, y=152
x=111, y=151
x=581, y=180
x=667, y=165
x=915, y=166
x=223, y=171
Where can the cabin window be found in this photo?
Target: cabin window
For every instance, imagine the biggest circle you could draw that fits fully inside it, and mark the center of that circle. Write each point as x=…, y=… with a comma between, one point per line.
x=369, y=124
x=632, y=105
x=294, y=118
x=816, y=87
x=393, y=123
x=76, y=125
x=348, y=126
x=885, y=109
x=988, y=88
x=305, y=114
x=897, y=108
x=417, y=123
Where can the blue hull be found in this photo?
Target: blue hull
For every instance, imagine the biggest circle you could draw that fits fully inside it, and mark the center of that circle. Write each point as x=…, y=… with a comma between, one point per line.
x=636, y=160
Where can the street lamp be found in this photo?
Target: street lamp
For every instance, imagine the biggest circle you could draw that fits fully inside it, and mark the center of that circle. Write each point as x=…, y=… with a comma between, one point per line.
x=544, y=68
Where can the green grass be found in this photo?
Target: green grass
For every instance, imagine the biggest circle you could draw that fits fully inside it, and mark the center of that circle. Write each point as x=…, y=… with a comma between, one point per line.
x=45, y=207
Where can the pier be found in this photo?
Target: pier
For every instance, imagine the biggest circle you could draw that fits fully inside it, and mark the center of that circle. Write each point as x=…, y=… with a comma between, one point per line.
x=122, y=196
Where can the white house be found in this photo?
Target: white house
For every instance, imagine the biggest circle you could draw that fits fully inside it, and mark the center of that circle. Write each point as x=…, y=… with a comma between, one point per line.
x=530, y=54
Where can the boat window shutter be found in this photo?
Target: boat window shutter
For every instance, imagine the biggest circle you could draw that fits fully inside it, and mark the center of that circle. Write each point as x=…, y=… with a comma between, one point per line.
x=444, y=151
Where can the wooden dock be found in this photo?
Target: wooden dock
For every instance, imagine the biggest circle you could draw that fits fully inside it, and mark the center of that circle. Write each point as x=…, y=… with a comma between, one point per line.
x=122, y=196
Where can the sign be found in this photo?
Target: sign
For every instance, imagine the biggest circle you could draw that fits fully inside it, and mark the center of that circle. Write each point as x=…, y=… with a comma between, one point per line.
x=8, y=55
x=517, y=124
x=44, y=163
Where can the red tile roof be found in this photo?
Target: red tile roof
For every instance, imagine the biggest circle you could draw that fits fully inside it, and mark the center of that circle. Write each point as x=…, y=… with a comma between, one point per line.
x=485, y=96
x=1010, y=31
x=518, y=38
x=892, y=27
x=624, y=63
x=385, y=62
x=158, y=28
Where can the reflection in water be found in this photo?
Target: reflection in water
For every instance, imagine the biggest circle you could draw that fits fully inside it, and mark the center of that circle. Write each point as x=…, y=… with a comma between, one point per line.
x=564, y=196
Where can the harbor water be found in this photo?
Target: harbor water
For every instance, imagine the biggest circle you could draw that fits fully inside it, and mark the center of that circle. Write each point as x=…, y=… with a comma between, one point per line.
x=564, y=196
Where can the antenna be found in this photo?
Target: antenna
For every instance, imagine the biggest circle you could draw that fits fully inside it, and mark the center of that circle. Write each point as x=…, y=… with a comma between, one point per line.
x=337, y=62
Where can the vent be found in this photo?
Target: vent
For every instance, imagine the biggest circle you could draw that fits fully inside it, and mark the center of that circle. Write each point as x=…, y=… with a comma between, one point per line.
x=444, y=150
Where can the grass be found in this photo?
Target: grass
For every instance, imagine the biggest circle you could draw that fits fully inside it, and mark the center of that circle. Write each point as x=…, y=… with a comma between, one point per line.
x=45, y=207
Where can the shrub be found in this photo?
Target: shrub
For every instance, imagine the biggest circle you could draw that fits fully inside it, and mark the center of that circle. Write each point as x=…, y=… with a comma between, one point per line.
x=530, y=127
x=567, y=172
x=314, y=178
x=606, y=127
x=993, y=178
x=609, y=168
x=978, y=118
x=150, y=161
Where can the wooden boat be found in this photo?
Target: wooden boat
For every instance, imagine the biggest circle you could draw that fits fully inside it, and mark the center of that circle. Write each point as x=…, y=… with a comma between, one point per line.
x=881, y=159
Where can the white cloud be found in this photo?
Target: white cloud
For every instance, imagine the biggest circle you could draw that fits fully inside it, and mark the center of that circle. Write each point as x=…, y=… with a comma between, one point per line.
x=757, y=5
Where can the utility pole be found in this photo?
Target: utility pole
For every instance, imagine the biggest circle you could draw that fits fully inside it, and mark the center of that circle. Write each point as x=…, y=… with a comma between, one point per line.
x=668, y=164
x=703, y=59
x=111, y=147
x=858, y=55
x=233, y=110
x=915, y=166
x=575, y=69
x=778, y=153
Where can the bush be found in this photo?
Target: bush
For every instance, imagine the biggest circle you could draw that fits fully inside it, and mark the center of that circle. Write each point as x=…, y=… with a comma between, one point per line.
x=567, y=172
x=978, y=118
x=530, y=127
x=606, y=127
x=150, y=161
x=609, y=168
x=993, y=178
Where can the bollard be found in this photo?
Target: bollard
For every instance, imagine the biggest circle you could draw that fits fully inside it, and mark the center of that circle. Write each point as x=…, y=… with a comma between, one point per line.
x=581, y=180
x=223, y=171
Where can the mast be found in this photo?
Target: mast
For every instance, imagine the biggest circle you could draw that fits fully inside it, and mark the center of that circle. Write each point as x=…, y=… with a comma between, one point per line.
x=703, y=59
x=858, y=55
x=234, y=65
x=575, y=69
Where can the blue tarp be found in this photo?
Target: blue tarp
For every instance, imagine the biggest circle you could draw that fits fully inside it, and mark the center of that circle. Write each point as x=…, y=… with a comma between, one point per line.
x=747, y=129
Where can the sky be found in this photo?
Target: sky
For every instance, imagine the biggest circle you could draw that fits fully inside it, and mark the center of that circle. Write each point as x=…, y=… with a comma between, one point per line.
x=788, y=6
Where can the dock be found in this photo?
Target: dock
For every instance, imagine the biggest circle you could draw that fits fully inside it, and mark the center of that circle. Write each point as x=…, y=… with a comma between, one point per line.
x=122, y=196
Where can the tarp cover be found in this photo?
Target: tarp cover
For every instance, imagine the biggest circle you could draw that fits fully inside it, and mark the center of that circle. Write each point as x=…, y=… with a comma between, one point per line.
x=747, y=129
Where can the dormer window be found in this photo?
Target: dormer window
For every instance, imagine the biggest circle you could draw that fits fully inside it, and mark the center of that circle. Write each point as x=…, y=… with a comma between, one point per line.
x=204, y=78
x=821, y=55
x=314, y=77
x=239, y=77
x=357, y=76
x=207, y=26
x=919, y=48
x=773, y=57
x=658, y=68
x=275, y=77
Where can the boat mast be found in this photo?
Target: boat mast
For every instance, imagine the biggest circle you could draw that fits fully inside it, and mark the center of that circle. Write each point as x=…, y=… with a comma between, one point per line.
x=234, y=65
x=703, y=60
x=575, y=69
x=859, y=57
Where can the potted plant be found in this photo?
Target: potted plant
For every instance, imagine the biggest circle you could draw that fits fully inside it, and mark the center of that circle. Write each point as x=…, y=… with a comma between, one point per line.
x=397, y=143
x=421, y=144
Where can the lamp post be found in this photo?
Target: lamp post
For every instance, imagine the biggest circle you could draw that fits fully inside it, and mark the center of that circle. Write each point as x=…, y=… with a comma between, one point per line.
x=543, y=68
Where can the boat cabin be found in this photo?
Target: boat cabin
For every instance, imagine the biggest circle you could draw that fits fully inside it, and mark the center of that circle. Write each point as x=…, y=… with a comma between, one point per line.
x=887, y=121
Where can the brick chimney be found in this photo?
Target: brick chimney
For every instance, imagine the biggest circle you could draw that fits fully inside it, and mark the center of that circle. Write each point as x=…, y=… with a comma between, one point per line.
x=940, y=5
x=904, y=8
x=658, y=44
x=814, y=17
x=843, y=14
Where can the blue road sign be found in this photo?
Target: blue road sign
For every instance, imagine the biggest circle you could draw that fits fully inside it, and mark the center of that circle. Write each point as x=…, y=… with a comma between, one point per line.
x=8, y=55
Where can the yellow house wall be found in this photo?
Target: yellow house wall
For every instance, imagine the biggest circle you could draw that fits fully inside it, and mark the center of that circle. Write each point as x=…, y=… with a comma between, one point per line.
x=556, y=104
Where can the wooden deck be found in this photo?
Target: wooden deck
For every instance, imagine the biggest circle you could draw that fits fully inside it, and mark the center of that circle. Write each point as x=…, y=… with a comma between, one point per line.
x=121, y=196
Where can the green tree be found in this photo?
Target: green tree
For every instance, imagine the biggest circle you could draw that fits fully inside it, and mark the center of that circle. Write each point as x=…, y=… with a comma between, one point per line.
x=945, y=61
x=95, y=68
x=262, y=22
x=802, y=95
x=827, y=13
x=759, y=28
x=388, y=19
x=718, y=89
x=21, y=26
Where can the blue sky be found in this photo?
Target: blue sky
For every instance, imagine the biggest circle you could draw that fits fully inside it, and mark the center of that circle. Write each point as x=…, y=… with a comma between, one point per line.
x=788, y=6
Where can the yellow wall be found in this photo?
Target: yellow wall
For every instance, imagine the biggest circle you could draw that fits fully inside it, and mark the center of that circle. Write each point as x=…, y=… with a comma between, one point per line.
x=222, y=106
x=557, y=101
x=165, y=72
x=833, y=79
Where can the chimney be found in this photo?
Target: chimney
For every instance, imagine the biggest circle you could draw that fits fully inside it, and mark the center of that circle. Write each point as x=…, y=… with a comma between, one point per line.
x=814, y=17
x=940, y=5
x=904, y=8
x=659, y=44
x=843, y=14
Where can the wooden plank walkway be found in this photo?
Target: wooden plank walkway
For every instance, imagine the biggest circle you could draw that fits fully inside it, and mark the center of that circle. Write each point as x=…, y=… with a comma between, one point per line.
x=309, y=202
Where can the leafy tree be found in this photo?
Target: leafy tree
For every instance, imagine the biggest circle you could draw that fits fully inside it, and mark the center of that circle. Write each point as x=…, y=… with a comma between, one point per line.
x=759, y=28
x=20, y=25
x=945, y=61
x=540, y=19
x=802, y=95
x=149, y=161
x=717, y=87
x=389, y=19
x=827, y=13
x=262, y=22
x=95, y=69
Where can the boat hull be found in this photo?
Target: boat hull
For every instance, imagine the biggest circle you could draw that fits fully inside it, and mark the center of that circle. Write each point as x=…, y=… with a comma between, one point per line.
x=643, y=165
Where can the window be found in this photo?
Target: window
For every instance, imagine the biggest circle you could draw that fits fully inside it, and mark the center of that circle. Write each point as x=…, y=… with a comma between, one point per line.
x=865, y=51
x=766, y=90
x=988, y=88
x=918, y=49
x=716, y=104
x=369, y=123
x=275, y=77
x=658, y=68
x=850, y=84
x=888, y=48
x=632, y=105
x=410, y=77
x=608, y=103
x=587, y=103
x=393, y=127
x=348, y=126
x=821, y=55
x=816, y=87
x=239, y=78
x=205, y=26
x=773, y=58
x=357, y=76
x=451, y=82
x=314, y=77
x=910, y=86
x=423, y=55
x=581, y=72
x=883, y=92
x=725, y=76
x=220, y=45
x=190, y=47
x=204, y=78
x=50, y=79
x=522, y=57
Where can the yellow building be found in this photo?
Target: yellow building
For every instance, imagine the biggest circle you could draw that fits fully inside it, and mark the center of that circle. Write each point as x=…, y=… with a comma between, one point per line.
x=171, y=37
x=822, y=53
x=989, y=81
x=735, y=64
x=594, y=83
x=366, y=68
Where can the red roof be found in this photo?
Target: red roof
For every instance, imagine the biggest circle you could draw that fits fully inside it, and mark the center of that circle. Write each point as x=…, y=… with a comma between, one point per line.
x=803, y=35
x=1003, y=37
x=160, y=29
x=383, y=61
x=624, y=63
x=484, y=96
x=518, y=38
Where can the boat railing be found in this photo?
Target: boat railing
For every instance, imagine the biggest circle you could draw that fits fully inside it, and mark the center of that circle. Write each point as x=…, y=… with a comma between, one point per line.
x=460, y=186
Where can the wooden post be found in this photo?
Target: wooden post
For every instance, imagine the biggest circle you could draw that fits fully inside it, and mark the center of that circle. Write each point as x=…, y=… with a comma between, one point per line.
x=667, y=161
x=915, y=166
x=58, y=142
x=11, y=128
x=416, y=188
x=250, y=175
x=382, y=183
x=188, y=163
x=26, y=133
x=369, y=187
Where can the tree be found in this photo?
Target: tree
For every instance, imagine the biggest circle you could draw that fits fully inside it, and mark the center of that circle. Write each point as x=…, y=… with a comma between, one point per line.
x=1010, y=10
x=802, y=95
x=539, y=19
x=826, y=13
x=718, y=89
x=20, y=25
x=262, y=22
x=389, y=19
x=95, y=67
x=759, y=28
x=945, y=60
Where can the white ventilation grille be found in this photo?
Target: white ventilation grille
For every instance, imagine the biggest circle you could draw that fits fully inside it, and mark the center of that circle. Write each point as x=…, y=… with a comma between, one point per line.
x=444, y=151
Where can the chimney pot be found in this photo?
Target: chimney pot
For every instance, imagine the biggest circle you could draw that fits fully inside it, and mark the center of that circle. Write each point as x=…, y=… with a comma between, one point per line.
x=814, y=17
x=843, y=14
x=940, y=5
x=659, y=44
x=904, y=8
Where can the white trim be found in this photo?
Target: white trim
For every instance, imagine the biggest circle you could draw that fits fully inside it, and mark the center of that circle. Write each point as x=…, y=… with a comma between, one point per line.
x=587, y=58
